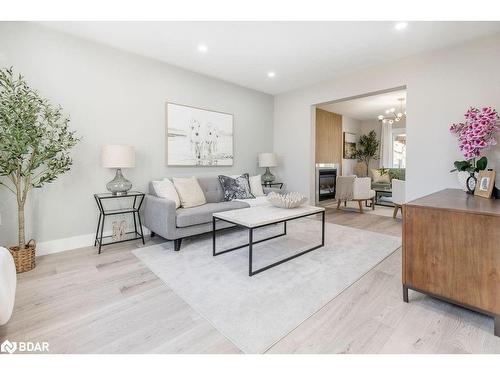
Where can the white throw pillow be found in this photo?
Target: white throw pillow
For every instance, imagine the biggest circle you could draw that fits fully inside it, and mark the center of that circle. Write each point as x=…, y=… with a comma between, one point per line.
x=378, y=177
x=166, y=189
x=256, y=186
x=189, y=191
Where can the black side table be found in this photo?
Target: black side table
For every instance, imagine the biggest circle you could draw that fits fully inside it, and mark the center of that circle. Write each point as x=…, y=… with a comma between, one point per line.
x=138, y=198
x=271, y=184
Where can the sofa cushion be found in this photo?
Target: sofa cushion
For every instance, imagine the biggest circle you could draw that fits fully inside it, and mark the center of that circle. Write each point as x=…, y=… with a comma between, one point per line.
x=256, y=185
x=203, y=214
x=236, y=188
x=211, y=188
x=381, y=176
x=166, y=189
x=189, y=191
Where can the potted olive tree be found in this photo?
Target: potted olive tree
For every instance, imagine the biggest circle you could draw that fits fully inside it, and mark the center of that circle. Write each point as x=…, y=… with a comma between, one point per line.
x=34, y=149
x=368, y=149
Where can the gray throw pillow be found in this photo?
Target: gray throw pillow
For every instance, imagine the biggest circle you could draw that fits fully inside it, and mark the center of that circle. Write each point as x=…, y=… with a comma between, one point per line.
x=236, y=188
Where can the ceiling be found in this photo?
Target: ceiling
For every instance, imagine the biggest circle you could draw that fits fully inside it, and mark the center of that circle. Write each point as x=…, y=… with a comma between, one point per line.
x=300, y=53
x=368, y=107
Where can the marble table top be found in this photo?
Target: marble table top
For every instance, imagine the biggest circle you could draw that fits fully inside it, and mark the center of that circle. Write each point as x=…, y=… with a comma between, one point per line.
x=257, y=216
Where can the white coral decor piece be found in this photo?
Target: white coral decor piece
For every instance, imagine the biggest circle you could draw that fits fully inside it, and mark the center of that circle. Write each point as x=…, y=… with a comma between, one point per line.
x=289, y=200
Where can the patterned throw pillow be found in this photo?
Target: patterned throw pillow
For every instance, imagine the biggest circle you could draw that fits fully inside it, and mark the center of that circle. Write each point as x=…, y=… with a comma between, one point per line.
x=236, y=188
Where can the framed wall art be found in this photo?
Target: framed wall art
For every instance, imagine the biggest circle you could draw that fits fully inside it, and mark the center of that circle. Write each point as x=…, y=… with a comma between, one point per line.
x=198, y=137
x=349, y=145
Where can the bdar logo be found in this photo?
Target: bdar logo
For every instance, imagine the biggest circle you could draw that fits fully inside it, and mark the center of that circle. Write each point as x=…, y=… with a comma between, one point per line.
x=8, y=347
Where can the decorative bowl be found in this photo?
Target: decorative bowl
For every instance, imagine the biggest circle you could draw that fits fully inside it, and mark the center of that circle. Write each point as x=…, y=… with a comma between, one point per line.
x=288, y=200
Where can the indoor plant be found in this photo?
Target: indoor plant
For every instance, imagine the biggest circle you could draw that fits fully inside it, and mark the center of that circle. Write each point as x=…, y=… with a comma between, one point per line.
x=368, y=149
x=34, y=149
x=475, y=135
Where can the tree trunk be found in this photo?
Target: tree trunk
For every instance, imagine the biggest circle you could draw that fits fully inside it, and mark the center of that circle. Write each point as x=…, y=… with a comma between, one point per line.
x=20, y=220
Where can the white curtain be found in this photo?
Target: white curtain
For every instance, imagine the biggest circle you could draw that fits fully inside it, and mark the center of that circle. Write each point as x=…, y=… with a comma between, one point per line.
x=386, y=146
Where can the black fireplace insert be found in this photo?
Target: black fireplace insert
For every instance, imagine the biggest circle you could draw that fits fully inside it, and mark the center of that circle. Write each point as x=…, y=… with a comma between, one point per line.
x=326, y=184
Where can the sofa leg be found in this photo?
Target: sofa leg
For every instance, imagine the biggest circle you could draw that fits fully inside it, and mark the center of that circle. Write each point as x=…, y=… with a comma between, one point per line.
x=373, y=203
x=153, y=234
x=338, y=204
x=177, y=244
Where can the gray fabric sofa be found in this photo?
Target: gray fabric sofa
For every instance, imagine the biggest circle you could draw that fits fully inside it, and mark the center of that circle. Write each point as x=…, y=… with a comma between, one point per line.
x=161, y=217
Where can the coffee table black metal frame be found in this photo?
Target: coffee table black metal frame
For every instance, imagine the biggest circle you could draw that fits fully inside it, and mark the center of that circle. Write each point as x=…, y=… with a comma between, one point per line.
x=251, y=242
x=103, y=212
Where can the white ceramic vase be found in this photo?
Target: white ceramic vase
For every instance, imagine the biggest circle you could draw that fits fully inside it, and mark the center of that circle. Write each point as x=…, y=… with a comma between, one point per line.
x=462, y=179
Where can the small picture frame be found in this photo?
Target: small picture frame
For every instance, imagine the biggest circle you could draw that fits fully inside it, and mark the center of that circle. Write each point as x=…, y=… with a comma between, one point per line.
x=485, y=184
x=349, y=146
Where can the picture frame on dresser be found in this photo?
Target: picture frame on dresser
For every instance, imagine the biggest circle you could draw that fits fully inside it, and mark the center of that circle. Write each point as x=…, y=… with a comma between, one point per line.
x=485, y=184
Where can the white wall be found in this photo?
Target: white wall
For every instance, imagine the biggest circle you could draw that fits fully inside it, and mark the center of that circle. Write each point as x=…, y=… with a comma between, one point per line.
x=116, y=97
x=350, y=125
x=440, y=86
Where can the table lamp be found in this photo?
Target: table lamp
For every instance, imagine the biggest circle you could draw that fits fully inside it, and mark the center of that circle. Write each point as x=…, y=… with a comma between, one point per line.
x=118, y=156
x=266, y=160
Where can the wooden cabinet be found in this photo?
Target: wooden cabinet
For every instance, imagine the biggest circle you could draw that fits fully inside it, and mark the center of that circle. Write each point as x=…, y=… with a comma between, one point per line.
x=451, y=250
x=328, y=137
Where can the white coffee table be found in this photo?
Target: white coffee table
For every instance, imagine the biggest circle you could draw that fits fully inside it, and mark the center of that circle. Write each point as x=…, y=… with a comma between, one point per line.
x=257, y=217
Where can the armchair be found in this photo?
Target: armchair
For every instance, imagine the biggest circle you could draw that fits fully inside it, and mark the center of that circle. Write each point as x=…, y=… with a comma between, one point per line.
x=352, y=188
x=7, y=285
x=398, y=195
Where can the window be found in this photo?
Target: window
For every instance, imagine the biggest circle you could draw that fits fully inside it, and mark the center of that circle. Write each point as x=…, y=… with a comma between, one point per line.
x=399, y=148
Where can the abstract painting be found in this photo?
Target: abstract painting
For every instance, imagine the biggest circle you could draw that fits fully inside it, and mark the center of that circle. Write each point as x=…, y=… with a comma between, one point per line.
x=349, y=145
x=198, y=137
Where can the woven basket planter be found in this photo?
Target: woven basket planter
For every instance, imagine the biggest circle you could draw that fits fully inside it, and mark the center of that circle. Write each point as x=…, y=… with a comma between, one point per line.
x=24, y=259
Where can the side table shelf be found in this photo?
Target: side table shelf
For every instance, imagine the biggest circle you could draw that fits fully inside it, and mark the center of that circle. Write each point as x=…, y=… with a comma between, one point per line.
x=137, y=234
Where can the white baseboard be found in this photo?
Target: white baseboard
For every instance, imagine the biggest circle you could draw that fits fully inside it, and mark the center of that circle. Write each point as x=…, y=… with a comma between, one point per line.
x=71, y=243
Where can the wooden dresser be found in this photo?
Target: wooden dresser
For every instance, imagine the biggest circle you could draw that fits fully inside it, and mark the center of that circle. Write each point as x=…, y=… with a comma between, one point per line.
x=451, y=250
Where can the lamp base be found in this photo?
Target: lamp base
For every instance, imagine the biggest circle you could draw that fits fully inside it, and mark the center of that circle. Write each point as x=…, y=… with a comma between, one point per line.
x=268, y=177
x=119, y=185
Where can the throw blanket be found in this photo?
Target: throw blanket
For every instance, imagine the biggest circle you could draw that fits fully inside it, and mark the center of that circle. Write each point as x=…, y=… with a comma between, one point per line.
x=345, y=188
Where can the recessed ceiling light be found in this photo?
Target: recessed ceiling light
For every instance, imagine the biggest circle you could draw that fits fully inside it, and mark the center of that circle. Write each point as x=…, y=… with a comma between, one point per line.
x=401, y=25
x=271, y=74
x=202, y=48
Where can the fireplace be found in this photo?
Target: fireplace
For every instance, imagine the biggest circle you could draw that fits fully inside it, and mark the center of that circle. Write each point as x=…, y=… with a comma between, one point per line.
x=327, y=179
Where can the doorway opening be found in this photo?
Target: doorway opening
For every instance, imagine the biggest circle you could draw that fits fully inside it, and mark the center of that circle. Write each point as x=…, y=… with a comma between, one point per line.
x=363, y=136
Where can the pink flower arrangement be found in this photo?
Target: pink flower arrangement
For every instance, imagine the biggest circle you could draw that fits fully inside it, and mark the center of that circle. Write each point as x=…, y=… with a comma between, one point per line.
x=477, y=132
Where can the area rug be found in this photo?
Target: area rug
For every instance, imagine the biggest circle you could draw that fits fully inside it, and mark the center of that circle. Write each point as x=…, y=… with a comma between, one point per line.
x=354, y=207
x=255, y=312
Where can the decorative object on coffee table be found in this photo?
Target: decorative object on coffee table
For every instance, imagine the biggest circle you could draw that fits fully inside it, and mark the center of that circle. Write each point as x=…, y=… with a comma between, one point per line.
x=118, y=156
x=267, y=160
x=475, y=135
x=35, y=144
x=485, y=183
x=288, y=200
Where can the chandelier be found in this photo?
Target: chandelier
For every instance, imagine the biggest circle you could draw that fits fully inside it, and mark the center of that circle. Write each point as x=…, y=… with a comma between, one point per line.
x=391, y=116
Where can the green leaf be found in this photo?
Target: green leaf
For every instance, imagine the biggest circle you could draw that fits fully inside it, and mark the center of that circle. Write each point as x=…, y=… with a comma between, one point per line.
x=481, y=164
x=461, y=165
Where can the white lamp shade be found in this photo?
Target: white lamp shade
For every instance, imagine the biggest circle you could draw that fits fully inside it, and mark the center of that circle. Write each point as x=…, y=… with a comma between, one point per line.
x=118, y=156
x=268, y=159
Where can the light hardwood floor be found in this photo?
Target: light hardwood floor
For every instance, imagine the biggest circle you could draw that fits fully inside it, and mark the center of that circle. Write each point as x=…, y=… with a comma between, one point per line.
x=84, y=303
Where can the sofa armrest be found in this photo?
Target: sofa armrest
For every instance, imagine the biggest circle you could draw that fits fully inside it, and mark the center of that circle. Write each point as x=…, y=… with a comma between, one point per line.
x=160, y=215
